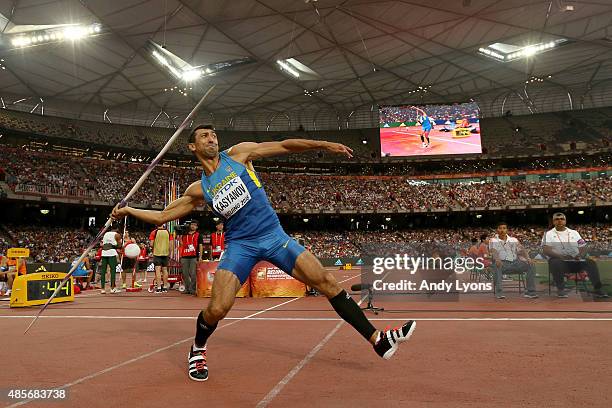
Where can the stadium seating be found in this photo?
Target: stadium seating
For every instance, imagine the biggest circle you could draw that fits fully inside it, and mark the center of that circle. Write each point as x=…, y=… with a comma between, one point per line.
x=68, y=242
x=52, y=174
x=587, y=129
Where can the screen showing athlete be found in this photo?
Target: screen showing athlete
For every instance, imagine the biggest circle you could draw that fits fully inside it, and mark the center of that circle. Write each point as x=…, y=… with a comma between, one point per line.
x=426, y=126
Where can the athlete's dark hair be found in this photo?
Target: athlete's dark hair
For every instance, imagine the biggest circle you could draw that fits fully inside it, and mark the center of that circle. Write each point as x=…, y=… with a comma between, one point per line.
x=499, y=224
x=193, y=132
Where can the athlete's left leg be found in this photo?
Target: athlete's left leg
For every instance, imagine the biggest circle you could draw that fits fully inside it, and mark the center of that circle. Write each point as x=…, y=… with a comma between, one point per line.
x=309, y=270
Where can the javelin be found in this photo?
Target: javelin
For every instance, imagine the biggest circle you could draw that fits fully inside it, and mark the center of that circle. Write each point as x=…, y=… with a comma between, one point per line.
x=123, y=202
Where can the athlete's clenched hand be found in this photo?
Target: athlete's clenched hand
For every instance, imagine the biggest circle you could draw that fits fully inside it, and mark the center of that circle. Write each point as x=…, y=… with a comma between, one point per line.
x=120, y=212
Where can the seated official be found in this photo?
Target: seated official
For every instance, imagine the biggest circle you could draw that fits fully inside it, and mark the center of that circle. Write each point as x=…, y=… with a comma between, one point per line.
x=509, y=256
x=83, y=272
x=567, y=253
x=17, y=264
x=6, y=275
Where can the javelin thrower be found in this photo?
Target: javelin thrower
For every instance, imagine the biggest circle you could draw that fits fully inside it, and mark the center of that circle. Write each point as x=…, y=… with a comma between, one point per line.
x=426, y=125
x=230, y=186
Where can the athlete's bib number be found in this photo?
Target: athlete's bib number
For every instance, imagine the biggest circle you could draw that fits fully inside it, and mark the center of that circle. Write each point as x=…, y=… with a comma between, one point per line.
x=232, y=197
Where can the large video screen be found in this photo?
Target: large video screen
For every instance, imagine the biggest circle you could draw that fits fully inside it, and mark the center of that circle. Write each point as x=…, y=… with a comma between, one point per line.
x=425, y=130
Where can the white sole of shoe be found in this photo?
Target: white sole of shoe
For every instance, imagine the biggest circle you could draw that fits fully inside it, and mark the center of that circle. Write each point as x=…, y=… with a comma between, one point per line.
x=394, y=348
x=197, y=379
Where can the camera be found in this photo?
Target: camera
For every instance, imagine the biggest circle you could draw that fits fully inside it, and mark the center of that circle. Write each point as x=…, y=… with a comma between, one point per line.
x=182, y=229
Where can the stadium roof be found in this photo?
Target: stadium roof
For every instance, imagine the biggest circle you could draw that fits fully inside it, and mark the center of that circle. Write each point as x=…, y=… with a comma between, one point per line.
x=363, y=54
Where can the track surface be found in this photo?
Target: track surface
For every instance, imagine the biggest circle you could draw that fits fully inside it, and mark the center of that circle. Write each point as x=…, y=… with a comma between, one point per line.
x=130, y=350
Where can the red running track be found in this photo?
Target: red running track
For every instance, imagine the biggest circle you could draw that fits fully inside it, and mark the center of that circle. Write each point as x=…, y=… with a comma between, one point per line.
x=130, y=350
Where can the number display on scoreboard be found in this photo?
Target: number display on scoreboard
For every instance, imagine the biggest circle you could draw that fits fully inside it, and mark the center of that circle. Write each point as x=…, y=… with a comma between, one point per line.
x=35, y=289
x=43, y=289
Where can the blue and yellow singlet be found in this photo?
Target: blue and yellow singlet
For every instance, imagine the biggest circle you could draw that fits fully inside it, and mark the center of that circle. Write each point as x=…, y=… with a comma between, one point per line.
x=236, y=195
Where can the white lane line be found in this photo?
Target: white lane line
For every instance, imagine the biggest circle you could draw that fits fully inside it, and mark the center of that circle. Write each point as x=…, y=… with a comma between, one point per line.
x=281, y=384
x=149, y=354
x=324, y=319
x=159, y=350
x=295, y=370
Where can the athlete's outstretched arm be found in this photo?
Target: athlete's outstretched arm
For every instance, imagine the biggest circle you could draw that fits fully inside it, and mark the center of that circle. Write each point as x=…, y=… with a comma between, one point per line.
x=179, y=208
x=421, y=111
x=249, y=151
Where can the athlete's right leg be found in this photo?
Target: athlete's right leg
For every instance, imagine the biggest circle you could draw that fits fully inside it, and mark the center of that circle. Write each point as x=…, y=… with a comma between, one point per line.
x=224, y=289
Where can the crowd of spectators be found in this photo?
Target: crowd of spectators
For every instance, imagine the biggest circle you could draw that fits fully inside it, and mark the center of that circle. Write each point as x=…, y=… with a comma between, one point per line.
x=402, y=193
x=49, y=244
x=57, y=244
x=152, y=139
x=101, y=180
x=54, y=244
x=581, y=130
x=453, y=112
x=4, y=244
x=361, y=243
x=108, y=181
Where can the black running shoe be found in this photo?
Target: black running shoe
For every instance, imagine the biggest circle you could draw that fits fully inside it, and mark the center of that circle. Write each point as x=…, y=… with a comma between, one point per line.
x=198, y=370
x=388, y=340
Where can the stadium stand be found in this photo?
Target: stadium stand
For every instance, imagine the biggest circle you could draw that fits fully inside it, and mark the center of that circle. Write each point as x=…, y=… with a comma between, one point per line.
x=580, y=130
